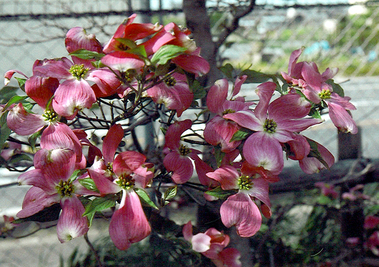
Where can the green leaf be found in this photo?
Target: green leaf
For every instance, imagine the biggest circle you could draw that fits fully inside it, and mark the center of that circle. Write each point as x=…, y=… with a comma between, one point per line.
x=139, y=51
x=336, y=87
x=86, y=54
x=219, y=155
x=241, y=134
x=323, y=200
x=219, y=193
x=88, y=183
x=97, y=205
x=127, y=43
x=255, y=76
x=21, y=83
x=165, y=53
x=33, y=138
x=228, y=71
x=19, y=157
x=315, y=113
x=144, y=197
x=315, y=153
x=6, y=93
x=197, y=90
x=15, y=99
x=170, y=193
x=4, y=134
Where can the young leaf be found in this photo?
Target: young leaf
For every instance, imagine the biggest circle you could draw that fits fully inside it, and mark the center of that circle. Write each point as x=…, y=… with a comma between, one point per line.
x=219, y=193
x=241, y=134
x=86, y=54
x=15, y=99
x=97, y=205
x=316, y=154
x=145, y=198
x=6, y=93
x=165, y=53
x=228, y=70
x=4, y=134
x=197, y=90
x=170, y=193
x=86, y=182
x=255, y=76
x=336, y=87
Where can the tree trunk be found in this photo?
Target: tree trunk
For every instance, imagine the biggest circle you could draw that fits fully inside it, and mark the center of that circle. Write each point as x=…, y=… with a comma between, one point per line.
x=198, y=23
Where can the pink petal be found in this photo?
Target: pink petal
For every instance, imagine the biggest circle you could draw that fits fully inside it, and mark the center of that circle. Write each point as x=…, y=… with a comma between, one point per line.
x=59, y=135
x=111, y=142
x=174, y=132
x=220, y=131
x=229, y=257
x=128, y=224
x=227, y=176
x=371, y=222
x=202, y=169
x=103, y=183
x=71, y=222
x=290, y=106
x=55, y=68
x=128, y=161
x=41, y=89
x=341, y=118
x=9, y=74
x=181, y=167
x=123, y=61
x=313, y=165
x=246, y=119
x=187, y=231
x=262, y=150
x=217, y=95
x=157, y=41
x=192, y=63
x=22, y=122
x=57, y=164
x=106, y=82
x=201, y=242
x=265, y=92
x=77, y=38
x=299, y=147
x=72, y=96
x=238, y=83
x=36, y=200
x=292, y=61
x=260, y=191
x=241, y=211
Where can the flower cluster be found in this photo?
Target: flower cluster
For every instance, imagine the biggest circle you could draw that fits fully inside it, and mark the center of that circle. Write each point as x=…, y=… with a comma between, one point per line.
x=147, y=72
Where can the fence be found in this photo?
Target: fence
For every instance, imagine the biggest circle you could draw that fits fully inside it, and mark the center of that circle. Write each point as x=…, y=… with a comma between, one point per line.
x=340, y=35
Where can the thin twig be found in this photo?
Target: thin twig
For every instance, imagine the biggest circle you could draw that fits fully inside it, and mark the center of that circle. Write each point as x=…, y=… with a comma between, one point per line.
x=93, y=250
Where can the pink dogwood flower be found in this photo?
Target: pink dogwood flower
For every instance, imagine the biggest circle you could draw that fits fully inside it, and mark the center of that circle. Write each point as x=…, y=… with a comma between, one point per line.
x=212, y=244
x=220, y=131
x=178, y=156
x=123, y=173
x=52, y=183
x=174, y=92
x=241, y=209
x=314, y=86
x=274, y=123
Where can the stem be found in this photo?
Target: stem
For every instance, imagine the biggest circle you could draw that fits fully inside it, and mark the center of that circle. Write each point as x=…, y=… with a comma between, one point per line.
x=93, y=250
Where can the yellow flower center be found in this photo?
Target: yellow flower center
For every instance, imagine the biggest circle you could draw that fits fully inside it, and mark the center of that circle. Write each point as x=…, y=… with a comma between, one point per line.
x=245, y=182
x=78, y=71
x=126, y=182
x=65, y=188
x=183, y=150
x=269, y=126
x=325, y=94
